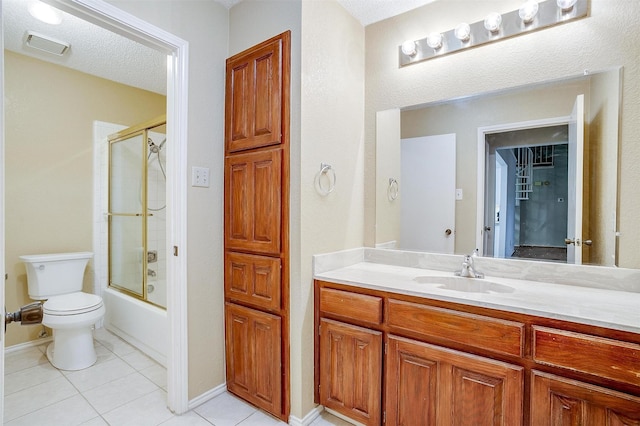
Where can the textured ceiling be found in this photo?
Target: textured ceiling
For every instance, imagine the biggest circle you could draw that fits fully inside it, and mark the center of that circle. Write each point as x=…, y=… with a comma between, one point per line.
x=102, y=53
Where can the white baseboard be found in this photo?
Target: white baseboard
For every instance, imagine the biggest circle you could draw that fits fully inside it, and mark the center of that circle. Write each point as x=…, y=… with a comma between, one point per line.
x=31, y=344
x=210, y=394
x=308, y=419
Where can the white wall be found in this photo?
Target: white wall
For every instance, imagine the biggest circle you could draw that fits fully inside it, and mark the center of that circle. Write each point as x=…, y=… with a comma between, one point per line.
x=603, y=40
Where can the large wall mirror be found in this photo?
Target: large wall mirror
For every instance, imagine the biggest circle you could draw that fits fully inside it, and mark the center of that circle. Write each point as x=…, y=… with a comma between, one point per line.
x=530, y=173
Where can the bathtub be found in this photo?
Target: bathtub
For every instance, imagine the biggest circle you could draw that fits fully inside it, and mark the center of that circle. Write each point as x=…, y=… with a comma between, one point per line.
x=138, y=323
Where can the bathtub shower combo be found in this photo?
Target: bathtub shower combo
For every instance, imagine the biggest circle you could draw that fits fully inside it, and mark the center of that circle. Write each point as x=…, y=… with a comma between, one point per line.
x=136, y=295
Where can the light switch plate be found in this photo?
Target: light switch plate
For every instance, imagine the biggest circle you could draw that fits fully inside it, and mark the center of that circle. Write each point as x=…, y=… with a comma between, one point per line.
x=458, y=193
x=200, y=176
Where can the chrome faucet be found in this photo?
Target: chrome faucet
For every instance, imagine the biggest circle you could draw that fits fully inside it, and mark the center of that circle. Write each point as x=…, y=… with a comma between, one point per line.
x=468, y=271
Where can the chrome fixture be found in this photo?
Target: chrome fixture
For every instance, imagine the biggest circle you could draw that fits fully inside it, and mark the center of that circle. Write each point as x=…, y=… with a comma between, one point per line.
x=26, y=315
x=151, y=272
x=468, y=271
x=532, y=15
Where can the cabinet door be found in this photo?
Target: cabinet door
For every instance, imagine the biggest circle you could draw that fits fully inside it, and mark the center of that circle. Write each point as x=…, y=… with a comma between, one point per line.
x=351, y=370
x=556, y=401
x=254, y=363
x=253, y=202
x=253, y=97
x=253, y=280
x=431, y=385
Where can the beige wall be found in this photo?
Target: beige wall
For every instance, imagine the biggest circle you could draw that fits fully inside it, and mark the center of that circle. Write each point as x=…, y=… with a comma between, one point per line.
x=332, y=133
x=204, y=24
x=598, y=42
x=49, y=114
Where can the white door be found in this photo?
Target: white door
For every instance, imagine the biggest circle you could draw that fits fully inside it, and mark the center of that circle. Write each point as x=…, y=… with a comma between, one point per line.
x=428, y=185
x=574, y=170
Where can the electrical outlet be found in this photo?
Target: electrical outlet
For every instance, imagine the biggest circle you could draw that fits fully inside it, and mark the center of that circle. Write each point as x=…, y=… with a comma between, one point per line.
x=200, y=176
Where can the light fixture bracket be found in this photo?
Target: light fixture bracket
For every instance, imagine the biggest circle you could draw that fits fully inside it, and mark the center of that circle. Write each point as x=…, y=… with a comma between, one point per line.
x=549, y=14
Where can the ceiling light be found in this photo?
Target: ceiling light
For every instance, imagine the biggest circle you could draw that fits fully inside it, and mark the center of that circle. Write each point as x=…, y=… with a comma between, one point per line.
x=566, y=5
x=528, y=11
x=462, y=32
x=492, y=22
x=409, y=48
x=434, y=40
x=45, y=13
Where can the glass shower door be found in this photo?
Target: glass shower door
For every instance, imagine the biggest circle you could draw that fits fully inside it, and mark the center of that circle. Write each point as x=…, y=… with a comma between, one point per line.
x=127, y=218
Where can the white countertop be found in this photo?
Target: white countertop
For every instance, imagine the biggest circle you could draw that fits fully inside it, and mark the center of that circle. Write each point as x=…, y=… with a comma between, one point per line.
x=594, y=306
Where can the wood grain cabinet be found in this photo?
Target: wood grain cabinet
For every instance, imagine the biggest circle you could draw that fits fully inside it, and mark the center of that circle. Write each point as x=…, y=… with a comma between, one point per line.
x=449, y=364
x=432, y=385
x=351, y=364
x=254, y=362
x=256, y=224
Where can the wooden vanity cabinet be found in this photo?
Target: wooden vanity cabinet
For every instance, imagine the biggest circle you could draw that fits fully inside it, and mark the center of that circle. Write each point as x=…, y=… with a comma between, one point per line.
x=431, y=385
x=448, y=364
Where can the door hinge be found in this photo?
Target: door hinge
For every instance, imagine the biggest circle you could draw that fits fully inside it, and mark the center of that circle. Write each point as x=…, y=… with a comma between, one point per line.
x=175, y=250
x=384, y=417
x=386, y=347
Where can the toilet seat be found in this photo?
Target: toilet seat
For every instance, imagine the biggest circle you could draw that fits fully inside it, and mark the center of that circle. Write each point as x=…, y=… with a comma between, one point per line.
x=72, y=304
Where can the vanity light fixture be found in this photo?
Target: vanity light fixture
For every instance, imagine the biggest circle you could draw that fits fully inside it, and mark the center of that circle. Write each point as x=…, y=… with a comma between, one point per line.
x=492, y=22
x=528, y=11
x=533, y=15
x=566, y=5
x=434, y=41
x=463, y=32
x=409, y=48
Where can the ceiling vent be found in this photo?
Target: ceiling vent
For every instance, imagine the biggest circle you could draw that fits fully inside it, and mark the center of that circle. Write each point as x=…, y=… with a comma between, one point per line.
x=46, y=44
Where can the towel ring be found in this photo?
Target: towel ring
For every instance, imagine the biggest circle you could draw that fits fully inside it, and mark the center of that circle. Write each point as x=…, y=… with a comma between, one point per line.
x=330, y=174
x=392, y=189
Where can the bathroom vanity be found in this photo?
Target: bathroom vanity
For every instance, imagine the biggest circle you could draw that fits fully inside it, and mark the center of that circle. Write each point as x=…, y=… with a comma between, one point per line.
x=409, y=345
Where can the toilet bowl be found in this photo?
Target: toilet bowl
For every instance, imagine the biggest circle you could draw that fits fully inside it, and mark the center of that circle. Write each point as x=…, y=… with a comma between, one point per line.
x=70, y=313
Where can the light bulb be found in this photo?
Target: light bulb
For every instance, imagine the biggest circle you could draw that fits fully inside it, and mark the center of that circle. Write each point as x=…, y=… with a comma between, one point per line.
x=409, y=48
x=462, y=32
x=528, y=11
x=566, y=5
x=492, y=22
x=434, y=40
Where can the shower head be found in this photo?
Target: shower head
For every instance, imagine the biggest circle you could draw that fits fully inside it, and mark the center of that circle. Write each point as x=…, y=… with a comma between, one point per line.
x=153, y=147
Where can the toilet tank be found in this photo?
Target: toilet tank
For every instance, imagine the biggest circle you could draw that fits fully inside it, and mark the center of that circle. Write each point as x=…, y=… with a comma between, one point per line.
x=54, y=274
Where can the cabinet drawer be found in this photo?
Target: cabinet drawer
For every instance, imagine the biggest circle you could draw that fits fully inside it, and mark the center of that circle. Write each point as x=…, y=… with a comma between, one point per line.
x=359, y=307
x=253, y=280
x=600, y=356
x=493, y=334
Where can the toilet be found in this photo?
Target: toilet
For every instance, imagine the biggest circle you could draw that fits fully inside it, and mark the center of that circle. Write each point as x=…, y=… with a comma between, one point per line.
x=57, y=278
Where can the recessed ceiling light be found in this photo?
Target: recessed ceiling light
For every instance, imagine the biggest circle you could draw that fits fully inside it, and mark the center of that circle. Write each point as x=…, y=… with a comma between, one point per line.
x=45, y=13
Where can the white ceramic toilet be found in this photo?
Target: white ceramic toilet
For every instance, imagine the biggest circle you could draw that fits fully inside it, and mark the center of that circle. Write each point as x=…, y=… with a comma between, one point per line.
x=57, y=278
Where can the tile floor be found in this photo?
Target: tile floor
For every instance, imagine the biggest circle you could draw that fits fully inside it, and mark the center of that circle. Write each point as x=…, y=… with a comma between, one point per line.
x=124, y=387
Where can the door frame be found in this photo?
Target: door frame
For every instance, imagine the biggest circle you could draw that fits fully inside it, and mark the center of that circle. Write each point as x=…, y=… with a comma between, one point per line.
x=111, y=18
x=482, y=162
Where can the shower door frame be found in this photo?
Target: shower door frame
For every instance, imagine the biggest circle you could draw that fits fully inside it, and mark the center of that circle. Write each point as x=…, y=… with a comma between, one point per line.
x=116, y=20
x=121, y=136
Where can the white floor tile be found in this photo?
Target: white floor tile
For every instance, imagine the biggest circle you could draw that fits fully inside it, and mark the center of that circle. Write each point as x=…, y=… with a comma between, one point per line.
x=138, y=360
x=26, y=358
x=261, y=419
x=69, y=412
x=113, y=342
x=157, y=374
x=28, y=400
x=28, y=377
x=149, y=410
x=119, y=392
x=225, y=410
x=188, y=419
x=96, y=421
x=99, y=374
x=327, y=419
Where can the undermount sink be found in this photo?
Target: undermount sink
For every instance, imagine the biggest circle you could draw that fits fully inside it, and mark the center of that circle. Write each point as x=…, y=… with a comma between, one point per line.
x=467, y=285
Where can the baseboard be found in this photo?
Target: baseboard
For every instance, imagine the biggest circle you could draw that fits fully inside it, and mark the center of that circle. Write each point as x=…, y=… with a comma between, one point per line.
x=26, y=345
x=308, y=419
x=210, y=394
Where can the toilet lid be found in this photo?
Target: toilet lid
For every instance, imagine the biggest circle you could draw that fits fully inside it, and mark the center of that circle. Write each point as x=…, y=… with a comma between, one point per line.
x=71, y=304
